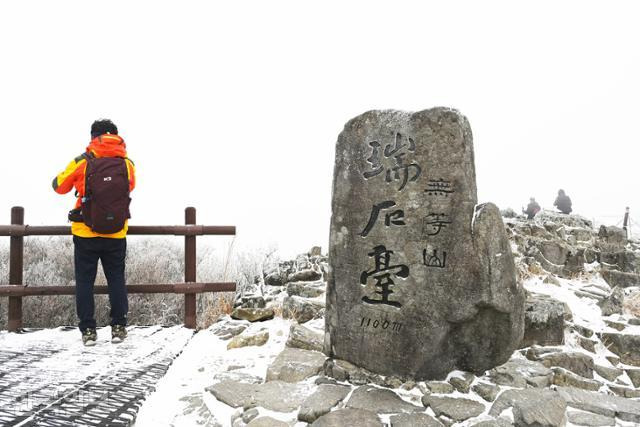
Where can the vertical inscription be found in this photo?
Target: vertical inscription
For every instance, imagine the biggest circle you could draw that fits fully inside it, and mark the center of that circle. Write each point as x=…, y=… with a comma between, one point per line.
x=391, y=161
x=436, y=223
x=396, y=152
x=383, y=274
x=395, y=217
x=433, y=260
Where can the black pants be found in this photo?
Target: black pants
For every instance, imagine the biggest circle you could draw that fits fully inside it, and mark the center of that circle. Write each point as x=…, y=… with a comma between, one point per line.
x=112, y=253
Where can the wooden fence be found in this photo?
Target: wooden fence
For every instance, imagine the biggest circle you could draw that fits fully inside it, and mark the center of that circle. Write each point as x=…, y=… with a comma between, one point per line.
x=16, y=290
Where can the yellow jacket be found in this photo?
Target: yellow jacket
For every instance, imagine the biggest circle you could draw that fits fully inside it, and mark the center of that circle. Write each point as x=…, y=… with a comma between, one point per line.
x=74, y=176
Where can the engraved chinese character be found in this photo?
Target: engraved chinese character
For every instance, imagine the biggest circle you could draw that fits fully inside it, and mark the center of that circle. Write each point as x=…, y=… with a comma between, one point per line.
x=392, y=218
x=434, y=260
x=375, y=160
x=400, y=171
x=439, y=187
x=383, y=273
x=433, y=223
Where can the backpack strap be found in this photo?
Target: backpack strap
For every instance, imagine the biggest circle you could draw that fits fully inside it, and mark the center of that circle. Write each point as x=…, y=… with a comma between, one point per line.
x=88, y=157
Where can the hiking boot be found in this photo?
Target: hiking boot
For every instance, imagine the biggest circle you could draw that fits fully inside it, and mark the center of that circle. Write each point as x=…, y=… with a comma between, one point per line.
x=89, y=337
x=118, y=333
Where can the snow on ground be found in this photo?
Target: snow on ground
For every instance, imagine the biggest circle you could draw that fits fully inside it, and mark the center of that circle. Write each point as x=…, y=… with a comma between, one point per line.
x=586, y=312
x=180, y=398
x=50, y=375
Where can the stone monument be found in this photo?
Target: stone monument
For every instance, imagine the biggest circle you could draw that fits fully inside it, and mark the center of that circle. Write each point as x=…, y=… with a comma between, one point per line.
x=422, y=279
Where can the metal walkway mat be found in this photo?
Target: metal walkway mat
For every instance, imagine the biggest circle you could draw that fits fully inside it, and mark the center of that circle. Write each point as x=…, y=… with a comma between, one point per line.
x=48, y=378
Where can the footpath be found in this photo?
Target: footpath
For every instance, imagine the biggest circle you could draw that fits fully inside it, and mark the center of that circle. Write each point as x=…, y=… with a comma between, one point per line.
x=48, y=378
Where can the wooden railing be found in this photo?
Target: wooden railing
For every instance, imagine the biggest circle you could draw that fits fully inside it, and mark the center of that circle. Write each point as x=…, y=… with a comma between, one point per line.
x=16, y=290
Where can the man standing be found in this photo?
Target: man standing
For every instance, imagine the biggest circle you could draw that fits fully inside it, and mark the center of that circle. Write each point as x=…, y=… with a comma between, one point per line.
x=563, y=203
x=532, y=208
x=103, y=177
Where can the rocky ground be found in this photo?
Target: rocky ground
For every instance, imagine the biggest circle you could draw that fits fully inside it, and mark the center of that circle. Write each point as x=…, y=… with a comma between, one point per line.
x=579, y=363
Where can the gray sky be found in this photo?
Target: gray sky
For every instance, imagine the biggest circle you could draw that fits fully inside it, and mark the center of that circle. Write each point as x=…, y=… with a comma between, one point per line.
x=234, y=107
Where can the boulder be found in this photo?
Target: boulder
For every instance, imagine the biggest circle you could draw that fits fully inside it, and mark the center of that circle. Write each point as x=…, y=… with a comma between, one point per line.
x=274, y=395
x=462, y=382
x=348, y=417
x=623, y=260
x=571, y=221
x=304, y=338
x=456, y=408
x=603, y=404
x=618, y=326
x=582, y=330
x=591, y=255
x=588, y=419
x=563, y=377
x=626, y=346
x=487, y=391
x=535, y=352
x=414, y=420
x=613, y=303
x=325, y=380
x=574, y=263
x=227, y=328
x=624, y=391
x=520, y=373
x=423, y=280
x=243, y=340
x=294, y=364
x=576, y=362
x=439, y=387
x=307, y=275
x=338, y=369
x=267, y=422
x=302, y=309
x=303, y=262
x=342, y=370
x=544, y=320
x=252, y=314
x=612, y=235
x=551, y=280
x=618, y=278
x=252, y=301
x=587, y=344
x=306, y=289
x=608, y=373
x=276, y=278
x=532, y=407
x=498, y=422
x=321, y=401
x=614, y=360
x=634, y=375
x=582, y=234
x=554, y=251
x=248, y=415
x=380, y=400
x=315, y=251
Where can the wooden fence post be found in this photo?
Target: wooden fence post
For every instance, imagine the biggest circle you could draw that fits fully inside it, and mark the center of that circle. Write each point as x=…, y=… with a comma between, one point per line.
x=190, y=320
x=16, y=256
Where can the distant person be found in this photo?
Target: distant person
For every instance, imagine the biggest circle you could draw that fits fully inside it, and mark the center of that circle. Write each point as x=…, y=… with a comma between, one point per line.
x=563, y=203
x=532, y=208
x=103, y=177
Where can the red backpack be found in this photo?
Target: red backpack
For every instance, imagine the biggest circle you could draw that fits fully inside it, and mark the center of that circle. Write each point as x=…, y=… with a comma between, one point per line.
x=105, y=205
